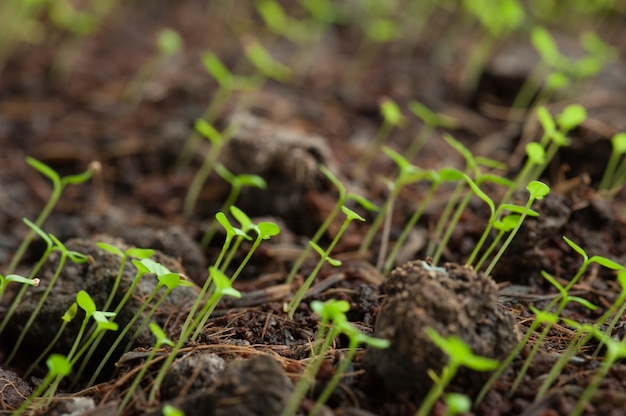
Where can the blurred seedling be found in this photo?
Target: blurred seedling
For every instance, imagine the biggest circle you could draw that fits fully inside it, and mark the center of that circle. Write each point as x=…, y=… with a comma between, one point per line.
x=557, y=71
x=58, y=185
x=218, y=141
x=392, y=118
x=166, y=279
x=20, y=22
x=169, y=43
x=408, y=173
x=291, y=307
x=537, y=191
x=263, y=61
x=457, y=403
x=161, y=340
x=64, y=255
x=459, y=355
x=237, y=183
x=58, y=366
x=221, y=286
x=498, y=19
x=431, y=122
x=342, y=198
x=169, y=410
x=67, y=317
x=614, y=176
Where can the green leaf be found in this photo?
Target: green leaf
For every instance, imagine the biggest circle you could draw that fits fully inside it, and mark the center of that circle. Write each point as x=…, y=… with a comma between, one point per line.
x=172, y=280
x=572, y=116
x=576, y=248
x=242, y=218
x=333, y=262
x=364, y=202
x=58, y=365
x=268, y=229
x=317, y=248
x=44, y=236
x=544, y=43
x=169, y=41
x=85, y=302
x=110, y=248
x=77, y=179
x=333, y=179
x=140, y=253
x=350, y=214
x=536, y=154
x=155, y=267
x=44, y=169
x=391, y=112
x=159, y=334
x=478, y=192
x=538, y=189
x=70, y=313
x=217, y=69
x=208, y=132
x=619, y=143
x=546, y=120
x=21, y=279
x=252, y=180
x=608, y=263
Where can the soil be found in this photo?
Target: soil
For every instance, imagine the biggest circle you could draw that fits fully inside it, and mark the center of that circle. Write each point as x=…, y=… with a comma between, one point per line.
x=62, y=101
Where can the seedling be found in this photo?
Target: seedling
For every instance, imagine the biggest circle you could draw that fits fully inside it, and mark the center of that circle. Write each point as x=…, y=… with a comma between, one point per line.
x=5, y=280
x=67, y=317
x=44, y=257
x=65, y=254
x=457, y=403
x=356, y=338
x=222, y=286
x=392, y=118
x=498, y=19
x=161, y=339
x=431, y=121
x=218, y=140
x=58, y=185
x=237, y=183
x=138, y=253
x=330, y=311
x=167, y=280
x=263, y=61
x=169, y=43
x=408, y=173
x=290, y=308
x=459, y=355
x=342, y=198
x=231, y=232
x=615, y=173
x=537, y=191
x=58, y=367
x=169, y=410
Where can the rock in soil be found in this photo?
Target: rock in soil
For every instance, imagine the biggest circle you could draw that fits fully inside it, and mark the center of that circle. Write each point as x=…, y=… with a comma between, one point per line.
x=247, y=387
x=192, y=373
x=453, y=300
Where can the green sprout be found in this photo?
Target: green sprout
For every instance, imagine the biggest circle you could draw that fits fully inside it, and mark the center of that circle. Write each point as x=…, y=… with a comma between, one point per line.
x=603, y=261
x=330, y=311
x=168, y=43
x=138, y=253
x=392, y=118
x=5, y=280
x=431, y=121
x=161, y=340
x=218, y=141
x=58, y=185
x=169, y=410
x=222, y=286
x=342, y=198
x=457, y=403
x=65, y=254
x=537, y=191
x=237, y=183
x=166, y=279
x=58, y=366
x=498, y=19
x=264, y=62
x=614, y=176
x=290, y=308
x=231, y=232
x=459, y=355
x=67, y=317
x=44, y=257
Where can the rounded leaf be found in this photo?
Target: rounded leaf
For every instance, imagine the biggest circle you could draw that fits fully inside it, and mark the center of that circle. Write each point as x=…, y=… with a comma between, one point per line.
x=58, y=365
x=538, y=189
x=85, y=302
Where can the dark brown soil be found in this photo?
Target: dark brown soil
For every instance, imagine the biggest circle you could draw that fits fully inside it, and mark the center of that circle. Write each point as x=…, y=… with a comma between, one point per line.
x=68, y=112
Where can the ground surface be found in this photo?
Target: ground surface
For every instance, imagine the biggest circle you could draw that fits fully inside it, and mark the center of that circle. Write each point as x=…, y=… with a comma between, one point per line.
x=69, y=113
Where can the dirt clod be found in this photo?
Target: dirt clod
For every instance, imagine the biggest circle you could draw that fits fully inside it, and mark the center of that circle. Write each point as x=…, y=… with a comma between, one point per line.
x=453, y=300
